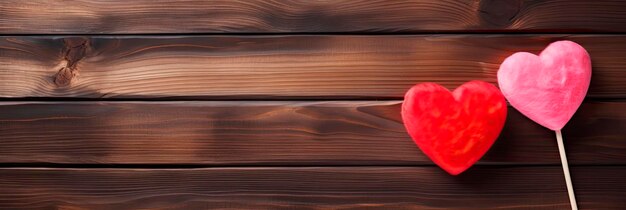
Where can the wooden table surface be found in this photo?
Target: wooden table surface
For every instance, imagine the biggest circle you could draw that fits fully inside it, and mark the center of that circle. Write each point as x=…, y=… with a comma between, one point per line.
x=289, y=104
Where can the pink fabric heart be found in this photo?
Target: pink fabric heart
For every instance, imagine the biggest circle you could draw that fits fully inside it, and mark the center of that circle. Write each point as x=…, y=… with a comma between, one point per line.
x=550, y=87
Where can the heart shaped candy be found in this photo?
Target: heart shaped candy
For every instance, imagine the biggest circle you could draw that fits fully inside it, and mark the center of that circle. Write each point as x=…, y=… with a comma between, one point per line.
x=550, y=87
x=454, y=129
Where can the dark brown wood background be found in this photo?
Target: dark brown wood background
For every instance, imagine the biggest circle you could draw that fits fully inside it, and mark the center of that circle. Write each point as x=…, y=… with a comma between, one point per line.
x=287, y=104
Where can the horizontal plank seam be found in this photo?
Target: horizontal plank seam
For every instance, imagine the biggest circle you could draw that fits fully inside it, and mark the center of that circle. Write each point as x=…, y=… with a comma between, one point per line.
x=399, y=33
x=200, y=98
x=243, y=99
x=200, y=166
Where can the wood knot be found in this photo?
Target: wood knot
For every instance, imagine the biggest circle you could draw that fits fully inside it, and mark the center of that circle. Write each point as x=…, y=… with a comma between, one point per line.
x=500, y=13
x=74, y=51
x=64, y=76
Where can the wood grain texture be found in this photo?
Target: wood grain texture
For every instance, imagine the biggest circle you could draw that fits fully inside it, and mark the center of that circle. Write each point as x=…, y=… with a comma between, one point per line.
x=260, y=16
x=312, y=67
x=275, y=133
x=310, y=188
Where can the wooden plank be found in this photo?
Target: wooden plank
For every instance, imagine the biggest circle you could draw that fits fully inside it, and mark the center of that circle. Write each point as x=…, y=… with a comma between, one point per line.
x=313, y=67
x=260, y=16
x=310, y=188
x=275, y=133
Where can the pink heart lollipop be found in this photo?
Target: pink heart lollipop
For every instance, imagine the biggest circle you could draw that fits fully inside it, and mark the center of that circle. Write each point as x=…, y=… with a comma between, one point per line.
x=550, y=87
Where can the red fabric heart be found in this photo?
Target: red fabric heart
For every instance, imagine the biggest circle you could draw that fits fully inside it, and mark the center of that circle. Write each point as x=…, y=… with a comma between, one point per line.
x=454, y=129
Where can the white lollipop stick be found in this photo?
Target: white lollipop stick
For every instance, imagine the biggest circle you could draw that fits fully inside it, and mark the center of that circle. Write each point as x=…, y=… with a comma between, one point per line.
x=568, y=179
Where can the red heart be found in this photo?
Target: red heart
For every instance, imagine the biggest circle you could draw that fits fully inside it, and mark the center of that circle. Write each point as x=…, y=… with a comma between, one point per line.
x=454, y=129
